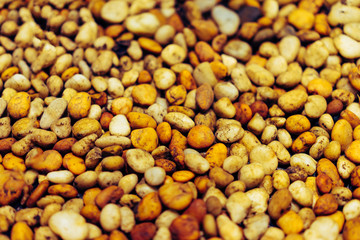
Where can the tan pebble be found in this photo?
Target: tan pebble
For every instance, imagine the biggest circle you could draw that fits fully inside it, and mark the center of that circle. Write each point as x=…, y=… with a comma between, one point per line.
x=204, y=97
x=173, y=54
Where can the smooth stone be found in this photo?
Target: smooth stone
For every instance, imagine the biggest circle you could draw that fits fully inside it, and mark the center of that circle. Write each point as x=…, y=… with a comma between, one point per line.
x=348, y=47
x=114, y=11
x=142, y=24
x=227, y=20
x=69, y=225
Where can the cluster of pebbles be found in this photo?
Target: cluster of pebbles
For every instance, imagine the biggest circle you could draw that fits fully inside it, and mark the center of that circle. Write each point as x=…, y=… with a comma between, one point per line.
x=192, y=119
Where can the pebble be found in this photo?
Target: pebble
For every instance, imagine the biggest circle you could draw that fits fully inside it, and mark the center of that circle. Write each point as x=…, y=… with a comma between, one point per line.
x=143, y=24
x=204, y=97
x=322, y=228
x=114, y=11
x=259, y=75
x=196, y=163
x=18, y=82
x=205, y=6
x=144, y=94
x=110, y=217
x=239, y=49
x=173, y=54
x=276, y=65
x=179, y=121
x=200, y=136
x=61, y=176
x=155, y=176
x=204, y=74
x=145, y=138
x=78, y=82
x=342, y=14
x=119, y=126
x=229, y=133
x=316, y=54
x=139, y=160
x=292, y=101
x=347, y=46
x=227, y=20
x=352, y=30
x=164, y=78
x=165, y=34
x=69, y=225
x=87, y=34
x=205, y=30
x=301, y=19
x=261, y=152
x=228, y=229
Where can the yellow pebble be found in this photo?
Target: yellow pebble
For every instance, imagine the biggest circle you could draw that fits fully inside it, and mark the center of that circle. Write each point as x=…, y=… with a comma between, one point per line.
x=150, y=45
x=145, y=138
x=290, y=222
x=183, y=176
x=8, y=73
x=216, y=154
x=176, y=95
x=68, y=73
x=12, y=162
x=19, y=105
x=79, y=105
x=297, y=124
x=301, y=19
x=140, y=120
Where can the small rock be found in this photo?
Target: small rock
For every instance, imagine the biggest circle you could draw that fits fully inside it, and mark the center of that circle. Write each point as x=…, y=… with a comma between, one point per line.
x=259, y=75
x=249, y=14
x=164, y=78
x=352, y=30
x=347, y=46
x=301, y=19
x=78, y=82
x=289, y=47
x=179, y=121
x=292, y=101
x=228, y=229
x=53, y=112
x=342, y=14
x=103, y=63
x=114, y=11
x=144, y=94
x=18, y=82
x=119, y=126
x=323, y=228
x=204, y=74
x=205, y=6
x=142, y=24
x=87, y=34
x=69, y=225
x=204, y=97
x=316, y=54
x=205, y=30
x=139, y=160
x=227, y=20
x=173, y=54
x=239, y=49
x=5, y=61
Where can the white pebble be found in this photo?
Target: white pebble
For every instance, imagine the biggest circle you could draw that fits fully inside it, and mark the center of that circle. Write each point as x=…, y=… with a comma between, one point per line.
x=69, y=225
x=155, y=176
x=119, y=126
